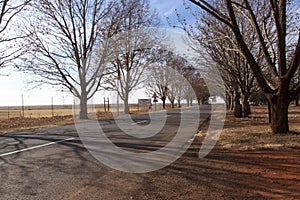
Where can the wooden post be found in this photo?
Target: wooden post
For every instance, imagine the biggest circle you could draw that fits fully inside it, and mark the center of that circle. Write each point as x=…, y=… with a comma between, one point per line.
x=22, y=105
x=108, y=104
x=104, y=104
x=52, y=108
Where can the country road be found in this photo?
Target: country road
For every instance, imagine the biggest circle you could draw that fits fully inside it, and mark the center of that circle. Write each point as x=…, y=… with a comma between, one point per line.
x=54, y=164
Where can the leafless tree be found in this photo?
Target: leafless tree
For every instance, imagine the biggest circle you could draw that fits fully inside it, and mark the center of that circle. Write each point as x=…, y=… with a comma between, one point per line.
x=157, y=83
x=173, y=77
x=193, y=80
x=10, y=49
x=280, y=49
x=135, y=48
x=179, y=69
x=161, y=77
x=200, y=88
x=69, y=44
x=235, y=71
x=218, y=42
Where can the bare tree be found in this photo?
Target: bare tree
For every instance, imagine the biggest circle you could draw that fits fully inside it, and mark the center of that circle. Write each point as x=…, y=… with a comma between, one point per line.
x=177, y=89
x=157, y=83
x=134, y=50
x=200, y=88
x=175, y=84
x=9, y=10
x=218, y=42
x=163, y=77
x=69, y=44
x=235, y=70
x=173, y=77
x=280, y=52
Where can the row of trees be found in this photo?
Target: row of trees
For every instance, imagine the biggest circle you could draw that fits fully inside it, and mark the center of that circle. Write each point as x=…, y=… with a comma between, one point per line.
x=253, y=43
x=174, y=78
x=86, y=46
x=94, y=41
x=71, y=43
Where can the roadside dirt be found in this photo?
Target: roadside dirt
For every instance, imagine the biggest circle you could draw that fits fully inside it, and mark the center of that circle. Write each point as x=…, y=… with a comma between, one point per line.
x=248, y=162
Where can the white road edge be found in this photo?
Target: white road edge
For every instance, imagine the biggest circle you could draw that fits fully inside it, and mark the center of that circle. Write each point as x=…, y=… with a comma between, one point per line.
x=35, y=147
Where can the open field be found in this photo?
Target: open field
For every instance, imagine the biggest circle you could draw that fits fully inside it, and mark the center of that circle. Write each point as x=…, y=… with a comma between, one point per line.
x=63, y=110
x=47, y=111
x=37, y=117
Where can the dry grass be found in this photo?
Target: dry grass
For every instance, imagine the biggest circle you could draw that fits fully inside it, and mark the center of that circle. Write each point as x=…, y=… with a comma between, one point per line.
x=34, y=123
x=255, y=132
x=41, y=112
x=238, y=133
x=23, y=124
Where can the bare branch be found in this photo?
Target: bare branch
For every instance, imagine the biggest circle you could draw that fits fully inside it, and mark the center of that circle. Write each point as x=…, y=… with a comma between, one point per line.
x=211, y=10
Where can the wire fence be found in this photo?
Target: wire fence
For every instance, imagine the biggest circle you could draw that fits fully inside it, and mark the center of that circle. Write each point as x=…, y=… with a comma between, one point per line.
x=65, y=110
x=10, y=114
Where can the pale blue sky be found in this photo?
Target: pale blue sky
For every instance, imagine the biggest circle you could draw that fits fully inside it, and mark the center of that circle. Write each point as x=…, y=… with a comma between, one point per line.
x=166, y=8
x=13, y=84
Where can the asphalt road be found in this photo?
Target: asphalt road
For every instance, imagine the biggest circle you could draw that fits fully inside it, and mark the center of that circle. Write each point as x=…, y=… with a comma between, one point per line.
x=54, y=164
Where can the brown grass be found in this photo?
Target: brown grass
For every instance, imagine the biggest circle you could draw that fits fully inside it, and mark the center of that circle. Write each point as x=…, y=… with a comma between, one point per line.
x=23, y=124
x=255, y=132
x=238, y=133
x=46, y=111
x=34, y=123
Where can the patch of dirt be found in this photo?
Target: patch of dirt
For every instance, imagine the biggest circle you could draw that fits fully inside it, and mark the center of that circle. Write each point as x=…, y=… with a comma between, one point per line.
x=255, y=174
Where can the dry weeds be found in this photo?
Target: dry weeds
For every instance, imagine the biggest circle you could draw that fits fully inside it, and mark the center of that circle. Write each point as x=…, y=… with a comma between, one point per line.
x=35, y=123
x=254, y=133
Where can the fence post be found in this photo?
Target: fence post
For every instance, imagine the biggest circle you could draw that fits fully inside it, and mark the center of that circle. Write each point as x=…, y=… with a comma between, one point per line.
x=22, y=105
x=52, y=108
x=108, y=103
x=104, y=104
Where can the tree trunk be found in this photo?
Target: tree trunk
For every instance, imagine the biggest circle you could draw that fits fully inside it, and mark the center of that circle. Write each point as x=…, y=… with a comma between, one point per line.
x=297, y=101
x=232, y=101
x=269, y=112
x=126, y=105
x=164, y=102
x=83, y=106
x=237, y=106
x=246, y=106
x=228, y=102
x=179, y=103
x=279, y=113
x=172, y=104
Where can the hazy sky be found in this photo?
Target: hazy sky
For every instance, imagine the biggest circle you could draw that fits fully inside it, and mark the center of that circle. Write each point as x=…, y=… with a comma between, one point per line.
x=13, y=84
